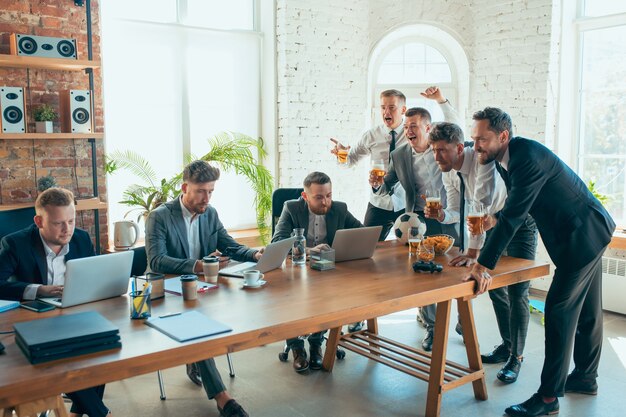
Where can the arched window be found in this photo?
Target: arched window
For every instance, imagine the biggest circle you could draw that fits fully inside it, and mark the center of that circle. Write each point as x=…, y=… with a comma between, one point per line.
x=411, y=59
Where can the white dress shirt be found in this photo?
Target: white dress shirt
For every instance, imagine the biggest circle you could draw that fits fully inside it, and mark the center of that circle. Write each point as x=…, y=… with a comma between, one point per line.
x=505, y=159
x=193, y=231
x=316, y=232
x=56, y=269
x=375, y=143
x=426, y=174
x=482, y=183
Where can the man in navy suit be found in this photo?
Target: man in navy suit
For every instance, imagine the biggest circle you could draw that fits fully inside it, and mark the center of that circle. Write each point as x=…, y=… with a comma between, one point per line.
x=575, y=229
x=32, y=264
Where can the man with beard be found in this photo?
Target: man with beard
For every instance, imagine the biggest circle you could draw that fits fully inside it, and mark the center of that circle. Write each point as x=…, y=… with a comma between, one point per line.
x=575, y=229
x=414, y=167
x=320, y=217
x=178, y=234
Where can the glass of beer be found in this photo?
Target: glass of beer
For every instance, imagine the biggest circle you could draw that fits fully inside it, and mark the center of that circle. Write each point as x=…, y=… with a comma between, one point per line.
x=475, y=218
x=342, y=156
x=433, y=200
x=414, y=240
x=378, y=170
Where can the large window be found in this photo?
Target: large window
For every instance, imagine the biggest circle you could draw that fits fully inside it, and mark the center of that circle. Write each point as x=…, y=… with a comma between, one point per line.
x=174, y=74
x=601, y=122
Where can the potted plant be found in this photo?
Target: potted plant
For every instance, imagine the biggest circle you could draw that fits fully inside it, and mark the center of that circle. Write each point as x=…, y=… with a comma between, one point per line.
x=43, y=183
x=44, y=116
x=233, y=152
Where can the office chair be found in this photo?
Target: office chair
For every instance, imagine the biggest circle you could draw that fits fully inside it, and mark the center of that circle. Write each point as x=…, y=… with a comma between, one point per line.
x=279, y=197
x=140, y=264
x=14, y=220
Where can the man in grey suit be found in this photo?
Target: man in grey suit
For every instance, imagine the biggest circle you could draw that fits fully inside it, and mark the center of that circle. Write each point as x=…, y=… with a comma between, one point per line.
x=320, y=217
x=178, y=234
x=414, y=166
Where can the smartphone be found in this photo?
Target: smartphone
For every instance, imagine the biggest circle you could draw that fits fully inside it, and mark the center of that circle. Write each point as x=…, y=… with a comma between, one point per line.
x=38, y=306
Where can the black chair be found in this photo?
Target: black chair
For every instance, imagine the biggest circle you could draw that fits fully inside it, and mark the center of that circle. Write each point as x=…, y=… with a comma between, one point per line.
x=14, y=220
x=279, y=197
x=140, y=265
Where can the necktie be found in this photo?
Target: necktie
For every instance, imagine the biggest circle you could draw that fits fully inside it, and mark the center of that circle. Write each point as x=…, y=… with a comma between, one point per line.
x=392, y=145
x=462, y=210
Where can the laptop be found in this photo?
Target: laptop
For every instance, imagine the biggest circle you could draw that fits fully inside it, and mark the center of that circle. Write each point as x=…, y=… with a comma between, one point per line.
x=273, y=257
x=359, y=243
x=94, y=278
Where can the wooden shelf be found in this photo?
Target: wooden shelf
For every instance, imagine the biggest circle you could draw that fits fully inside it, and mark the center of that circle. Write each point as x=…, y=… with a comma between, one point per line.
x=81, y=205
x=618, y=241
x=25, y=62
x=49, y=136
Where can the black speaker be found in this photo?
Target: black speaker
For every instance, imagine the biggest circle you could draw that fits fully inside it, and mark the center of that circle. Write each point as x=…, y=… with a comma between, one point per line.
x=12, y=107
x=76, y=108
x=43, y=46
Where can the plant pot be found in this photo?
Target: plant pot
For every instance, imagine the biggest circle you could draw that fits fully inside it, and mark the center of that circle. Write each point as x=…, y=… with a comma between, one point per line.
x=44, y=127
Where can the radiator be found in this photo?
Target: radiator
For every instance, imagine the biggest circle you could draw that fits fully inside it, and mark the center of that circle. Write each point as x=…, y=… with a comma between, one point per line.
x=614, y=284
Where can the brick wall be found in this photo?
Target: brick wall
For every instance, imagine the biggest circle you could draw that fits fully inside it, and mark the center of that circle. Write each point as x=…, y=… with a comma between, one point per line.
x=68, y=161
x=323, y=50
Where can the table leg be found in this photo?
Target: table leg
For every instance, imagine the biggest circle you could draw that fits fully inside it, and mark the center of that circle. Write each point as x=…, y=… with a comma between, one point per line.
x=331, y=348
x=438, y=359
x=471, y=345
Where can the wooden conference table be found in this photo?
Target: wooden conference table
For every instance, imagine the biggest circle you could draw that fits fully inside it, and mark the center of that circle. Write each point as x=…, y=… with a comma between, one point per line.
x=296, y=300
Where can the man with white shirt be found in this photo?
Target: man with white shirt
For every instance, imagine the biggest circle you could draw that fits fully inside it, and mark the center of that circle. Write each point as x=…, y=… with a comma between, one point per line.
x=178, y=234
x=466, y=180
x=32, y=264
x=414, y=167
x=378, y=143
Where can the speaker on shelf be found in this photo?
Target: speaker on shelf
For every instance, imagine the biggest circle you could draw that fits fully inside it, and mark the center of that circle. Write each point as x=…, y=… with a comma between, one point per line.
x=43, y=46
x=12, y=107
x=76, y=109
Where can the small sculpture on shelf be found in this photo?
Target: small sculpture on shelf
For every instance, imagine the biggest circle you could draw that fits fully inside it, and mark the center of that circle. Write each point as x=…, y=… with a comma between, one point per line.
x=44, y=116
x=43, y=183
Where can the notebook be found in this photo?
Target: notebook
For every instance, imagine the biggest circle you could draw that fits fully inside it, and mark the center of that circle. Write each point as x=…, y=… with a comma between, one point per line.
x=359, y=243
x=273, y=257
x=94, y=278
x=186, y=326
x=6, y=305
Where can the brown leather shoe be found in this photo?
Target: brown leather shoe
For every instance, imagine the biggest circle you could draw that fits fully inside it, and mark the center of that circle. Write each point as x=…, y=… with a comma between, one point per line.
x=300, y=364
x=194, y=374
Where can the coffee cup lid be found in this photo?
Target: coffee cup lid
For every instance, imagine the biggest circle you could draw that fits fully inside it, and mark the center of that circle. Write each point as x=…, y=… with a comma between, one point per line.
x=210, y=259
x=190, y=277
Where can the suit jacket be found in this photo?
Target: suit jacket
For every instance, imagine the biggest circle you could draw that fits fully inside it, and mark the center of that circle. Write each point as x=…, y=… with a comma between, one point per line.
x=167, y=247
x=295, y=215
x=22, y=258
x=574, y=226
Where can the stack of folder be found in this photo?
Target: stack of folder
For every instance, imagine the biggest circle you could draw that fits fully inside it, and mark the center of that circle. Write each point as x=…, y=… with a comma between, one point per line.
x=66, y=336
x=6, y=305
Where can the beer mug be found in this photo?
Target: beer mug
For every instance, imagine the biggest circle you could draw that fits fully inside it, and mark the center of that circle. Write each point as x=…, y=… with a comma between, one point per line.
x=378, y=170
x=475, y=218
x=415, y=238
x=433, y=199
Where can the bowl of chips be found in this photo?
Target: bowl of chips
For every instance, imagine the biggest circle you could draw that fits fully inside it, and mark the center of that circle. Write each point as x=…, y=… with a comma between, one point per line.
x=441, y=243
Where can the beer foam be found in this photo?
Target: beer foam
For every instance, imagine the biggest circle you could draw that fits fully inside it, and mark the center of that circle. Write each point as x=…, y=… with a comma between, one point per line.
x=475, y=215
x=433, y=199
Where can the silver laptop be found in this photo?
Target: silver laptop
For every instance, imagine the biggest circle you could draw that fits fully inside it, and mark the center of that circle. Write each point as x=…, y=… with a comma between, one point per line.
x=94, y=278
x=359, y=243
x=273, y=257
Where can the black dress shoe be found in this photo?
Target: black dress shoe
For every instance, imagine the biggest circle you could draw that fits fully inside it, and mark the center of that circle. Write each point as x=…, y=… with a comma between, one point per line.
x=498, y=355
x=300, y=364
x=509, y=372
x=578, y=384
x=355, y=327
x=427, y=343
x=232, y=409
x=315, y=361
x=194, y=374
x=533, y=407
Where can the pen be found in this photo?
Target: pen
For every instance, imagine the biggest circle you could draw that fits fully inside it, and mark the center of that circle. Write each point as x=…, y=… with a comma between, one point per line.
x=170, y=315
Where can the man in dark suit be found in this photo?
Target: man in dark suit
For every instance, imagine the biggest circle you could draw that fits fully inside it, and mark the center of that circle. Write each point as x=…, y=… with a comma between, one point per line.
x=320, y=217
x=32, y=264
x=178, y=234
x=575, y=229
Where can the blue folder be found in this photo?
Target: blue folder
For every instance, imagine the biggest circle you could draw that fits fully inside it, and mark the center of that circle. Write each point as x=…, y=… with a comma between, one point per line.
x=6, y=305
x=186, y=326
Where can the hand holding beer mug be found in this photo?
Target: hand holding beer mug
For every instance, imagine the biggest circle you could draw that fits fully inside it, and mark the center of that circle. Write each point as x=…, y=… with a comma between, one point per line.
x=433, y=203
x=377, y=173
x=475, y=218
x=340, y=151
x=415, y=238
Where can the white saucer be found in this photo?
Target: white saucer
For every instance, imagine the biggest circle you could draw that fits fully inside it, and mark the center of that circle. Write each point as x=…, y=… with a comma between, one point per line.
x=259, y=284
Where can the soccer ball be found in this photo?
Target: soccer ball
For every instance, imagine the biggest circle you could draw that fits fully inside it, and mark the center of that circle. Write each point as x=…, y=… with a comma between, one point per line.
x=403, y=223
